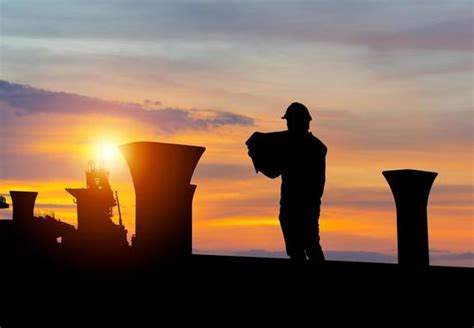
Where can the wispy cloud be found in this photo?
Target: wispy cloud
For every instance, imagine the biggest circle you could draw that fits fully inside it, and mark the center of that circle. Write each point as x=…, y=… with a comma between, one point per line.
x=242, y=55
x=211, y=171
x=54, y=206
x=455, y=35
x=330, y=255
x=25, y=100
x=436, y=258
x=374, y=25
x=399, y=129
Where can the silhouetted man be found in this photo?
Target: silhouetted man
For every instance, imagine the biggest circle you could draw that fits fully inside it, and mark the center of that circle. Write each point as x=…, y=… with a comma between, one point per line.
x=303, y=177
x=300, y=159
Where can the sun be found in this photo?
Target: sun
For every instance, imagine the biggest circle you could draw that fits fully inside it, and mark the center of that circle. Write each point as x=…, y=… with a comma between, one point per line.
x=107, y=151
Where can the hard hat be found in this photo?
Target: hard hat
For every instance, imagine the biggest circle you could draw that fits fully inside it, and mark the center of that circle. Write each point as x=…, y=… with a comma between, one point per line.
x=297, y=111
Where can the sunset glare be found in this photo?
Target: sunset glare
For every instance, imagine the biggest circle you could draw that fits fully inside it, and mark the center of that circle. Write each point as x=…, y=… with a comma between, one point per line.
x=107, y=152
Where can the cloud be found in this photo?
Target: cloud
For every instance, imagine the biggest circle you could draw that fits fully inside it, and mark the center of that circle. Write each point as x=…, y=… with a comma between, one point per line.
x=372, y=201
x=452, y=258
x=381, y=198
x=446, y=258
x=54, y=206
x=213, y=171
x=369, y=24
x=22, y=100
x=453, y=196
x=330, y=255
x=455, y=35
x=399, y=129
x=240, y=53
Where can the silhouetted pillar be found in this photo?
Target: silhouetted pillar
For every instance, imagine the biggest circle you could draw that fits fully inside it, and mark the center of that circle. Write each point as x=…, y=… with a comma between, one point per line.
x=161, y=176
x=23, y=205
x=410, y=190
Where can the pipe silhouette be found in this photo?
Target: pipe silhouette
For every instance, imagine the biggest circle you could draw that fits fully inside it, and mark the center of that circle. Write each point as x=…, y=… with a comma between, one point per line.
x=161, y=175
x=411, y=189
x=23, y=205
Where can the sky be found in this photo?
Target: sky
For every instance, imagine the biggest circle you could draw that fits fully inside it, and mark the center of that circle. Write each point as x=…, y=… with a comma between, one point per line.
x=389, y=85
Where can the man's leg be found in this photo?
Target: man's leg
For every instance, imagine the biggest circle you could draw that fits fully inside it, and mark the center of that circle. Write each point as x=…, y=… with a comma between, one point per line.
x=289, y=226
x=312, y=240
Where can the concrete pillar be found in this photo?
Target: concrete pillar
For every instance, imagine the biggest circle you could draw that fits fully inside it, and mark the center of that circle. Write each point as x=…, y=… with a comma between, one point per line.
x=23, y=205
x=161, y=176
x=410, y=190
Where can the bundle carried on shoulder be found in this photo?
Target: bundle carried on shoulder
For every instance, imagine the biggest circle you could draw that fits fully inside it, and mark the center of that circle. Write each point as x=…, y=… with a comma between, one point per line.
x=267, y=151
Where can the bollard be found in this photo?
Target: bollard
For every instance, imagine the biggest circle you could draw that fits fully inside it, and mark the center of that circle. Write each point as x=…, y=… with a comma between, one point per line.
x=161, y=175
x=410, y=190
x=23, y=206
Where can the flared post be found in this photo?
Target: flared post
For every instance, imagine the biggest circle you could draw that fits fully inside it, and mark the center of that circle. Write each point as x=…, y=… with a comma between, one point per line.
x=23, y=205
x=161, y=176
x=411, y=189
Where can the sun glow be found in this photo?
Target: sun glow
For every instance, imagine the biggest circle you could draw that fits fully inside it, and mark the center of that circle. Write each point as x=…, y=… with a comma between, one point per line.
x=106, y=151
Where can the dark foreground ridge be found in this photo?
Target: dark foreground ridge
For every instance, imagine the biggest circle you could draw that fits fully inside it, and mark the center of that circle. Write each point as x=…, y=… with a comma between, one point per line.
x=241, y=288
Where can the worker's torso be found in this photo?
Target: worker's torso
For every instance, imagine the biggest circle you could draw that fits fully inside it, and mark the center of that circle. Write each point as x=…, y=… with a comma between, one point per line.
x=303, y=169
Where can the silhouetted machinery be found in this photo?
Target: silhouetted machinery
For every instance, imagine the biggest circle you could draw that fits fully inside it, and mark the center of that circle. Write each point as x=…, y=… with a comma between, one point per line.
x=161, y=176
x=27, y=234
x=3, y=202
x=95, y=203
x=411, y=189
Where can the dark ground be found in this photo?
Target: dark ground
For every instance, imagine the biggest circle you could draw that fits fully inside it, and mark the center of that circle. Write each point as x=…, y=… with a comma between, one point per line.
x=221, y=290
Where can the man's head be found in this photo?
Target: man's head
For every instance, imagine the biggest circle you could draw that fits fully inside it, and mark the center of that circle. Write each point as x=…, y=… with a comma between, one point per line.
x=297, y=117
